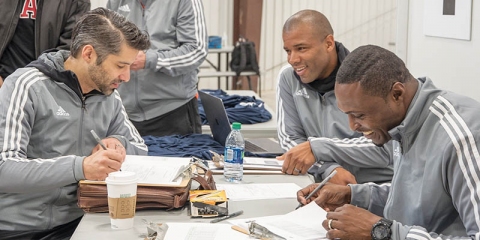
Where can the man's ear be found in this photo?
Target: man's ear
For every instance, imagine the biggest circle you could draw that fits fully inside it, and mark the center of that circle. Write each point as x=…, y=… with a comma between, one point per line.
x=398, y=91
x=330, y=42
x=89, y=54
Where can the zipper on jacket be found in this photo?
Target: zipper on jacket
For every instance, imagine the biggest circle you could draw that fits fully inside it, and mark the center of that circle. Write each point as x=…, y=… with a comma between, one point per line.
x=143, y=7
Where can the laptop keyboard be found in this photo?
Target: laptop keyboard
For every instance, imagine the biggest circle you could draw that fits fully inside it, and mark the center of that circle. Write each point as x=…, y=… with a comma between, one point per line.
x=251, y=147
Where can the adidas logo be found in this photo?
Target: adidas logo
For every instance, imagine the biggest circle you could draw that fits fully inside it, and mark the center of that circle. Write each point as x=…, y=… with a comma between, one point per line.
x=396, y=152
x=302, y=92
x=61, y=112
x=124, y=8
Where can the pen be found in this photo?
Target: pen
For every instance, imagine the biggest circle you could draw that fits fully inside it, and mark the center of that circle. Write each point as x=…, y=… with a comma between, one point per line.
x=319, y=186
x=235, y=214
x=98, y=139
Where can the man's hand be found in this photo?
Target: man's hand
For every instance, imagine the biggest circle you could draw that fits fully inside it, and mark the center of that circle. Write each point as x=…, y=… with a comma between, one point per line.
x=329, y=197
x=298, y=159
x=1, y=81
x=98, y=165
x=343, y=177
x=350, y=222
x=111, y=143
x=139, y=62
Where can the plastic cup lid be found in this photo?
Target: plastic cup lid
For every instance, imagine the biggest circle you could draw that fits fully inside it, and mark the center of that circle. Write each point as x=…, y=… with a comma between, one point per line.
x=121, y=177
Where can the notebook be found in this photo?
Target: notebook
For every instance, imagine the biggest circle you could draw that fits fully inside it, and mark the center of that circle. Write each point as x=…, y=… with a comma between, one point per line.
x=220, y=127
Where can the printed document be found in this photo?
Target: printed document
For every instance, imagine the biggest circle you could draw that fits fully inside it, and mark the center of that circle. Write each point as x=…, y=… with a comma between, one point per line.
x=156, y=170
x=241, y=192
x=303, y=223
x=202, y=231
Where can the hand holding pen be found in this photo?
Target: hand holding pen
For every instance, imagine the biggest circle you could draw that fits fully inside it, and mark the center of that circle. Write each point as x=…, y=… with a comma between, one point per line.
x=312, y=193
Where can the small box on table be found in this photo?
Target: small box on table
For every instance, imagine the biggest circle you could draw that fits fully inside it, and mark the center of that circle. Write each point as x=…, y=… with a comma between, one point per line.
x=208, y=203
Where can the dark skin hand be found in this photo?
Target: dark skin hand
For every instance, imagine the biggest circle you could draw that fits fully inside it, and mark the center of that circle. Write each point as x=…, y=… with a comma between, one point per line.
x=343, y=177
x=329, y=197
x=299, y=157
x=350, y=222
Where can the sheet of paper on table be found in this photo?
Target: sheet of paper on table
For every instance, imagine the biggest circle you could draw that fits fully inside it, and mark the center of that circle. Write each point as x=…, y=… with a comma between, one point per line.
x=253, y=191
x=255, y=165
x=303, y=223
x=202, y=231
x=155, y=170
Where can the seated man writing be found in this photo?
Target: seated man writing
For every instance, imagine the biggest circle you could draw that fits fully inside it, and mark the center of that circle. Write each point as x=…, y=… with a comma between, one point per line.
x=434, y=191
x=47, y=111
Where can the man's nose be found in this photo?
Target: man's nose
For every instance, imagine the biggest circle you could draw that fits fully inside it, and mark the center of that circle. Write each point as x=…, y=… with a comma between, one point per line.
x=125, y=75
x=353, y=124
x=293, y=58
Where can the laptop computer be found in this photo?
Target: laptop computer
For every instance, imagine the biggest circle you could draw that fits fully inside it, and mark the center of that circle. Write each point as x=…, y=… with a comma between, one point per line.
x=220, y=127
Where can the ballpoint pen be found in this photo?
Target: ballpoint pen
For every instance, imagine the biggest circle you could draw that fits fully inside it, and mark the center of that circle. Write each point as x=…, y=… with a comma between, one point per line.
x=98, y=139
x=320, y=185
x=235, y=214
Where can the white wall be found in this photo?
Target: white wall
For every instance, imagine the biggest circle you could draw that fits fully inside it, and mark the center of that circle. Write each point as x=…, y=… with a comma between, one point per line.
x=355, y=22
x=451, y=64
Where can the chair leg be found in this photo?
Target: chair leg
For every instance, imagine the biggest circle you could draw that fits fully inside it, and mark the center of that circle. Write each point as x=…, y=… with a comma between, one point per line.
x=249, y=83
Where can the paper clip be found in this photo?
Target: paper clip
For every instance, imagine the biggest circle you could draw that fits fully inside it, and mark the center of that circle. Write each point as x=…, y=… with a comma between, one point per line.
x=260, y=232
x=200, y=162
x=155, y=231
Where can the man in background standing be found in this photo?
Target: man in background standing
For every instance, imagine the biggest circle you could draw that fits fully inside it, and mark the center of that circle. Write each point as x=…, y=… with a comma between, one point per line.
x=29, y=27
x=160, y=97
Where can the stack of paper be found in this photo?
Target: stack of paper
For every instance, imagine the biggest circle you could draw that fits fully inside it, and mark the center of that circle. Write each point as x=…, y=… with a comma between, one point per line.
x=304, y=223
x=254, y=191
x=255, y=165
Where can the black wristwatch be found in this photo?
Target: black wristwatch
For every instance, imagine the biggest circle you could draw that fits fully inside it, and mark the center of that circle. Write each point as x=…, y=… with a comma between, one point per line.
x=381, y=230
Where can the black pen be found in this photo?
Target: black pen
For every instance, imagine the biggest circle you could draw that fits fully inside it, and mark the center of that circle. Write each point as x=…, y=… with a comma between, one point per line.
x=235, y=214
x=98, y=139
x=320, y=185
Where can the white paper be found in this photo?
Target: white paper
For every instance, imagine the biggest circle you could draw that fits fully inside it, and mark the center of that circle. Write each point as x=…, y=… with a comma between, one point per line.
x=202, y=231
x=304, y=223
x=155, y=170
x=240, y=192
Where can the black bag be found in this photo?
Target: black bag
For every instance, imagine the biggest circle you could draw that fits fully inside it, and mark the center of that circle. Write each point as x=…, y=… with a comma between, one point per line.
x=244, y=57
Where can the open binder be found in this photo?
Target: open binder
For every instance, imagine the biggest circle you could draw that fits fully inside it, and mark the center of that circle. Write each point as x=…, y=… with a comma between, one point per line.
x=92, y=195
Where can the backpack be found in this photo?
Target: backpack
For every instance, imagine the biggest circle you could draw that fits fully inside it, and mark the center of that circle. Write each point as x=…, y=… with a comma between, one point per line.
x=244, y=57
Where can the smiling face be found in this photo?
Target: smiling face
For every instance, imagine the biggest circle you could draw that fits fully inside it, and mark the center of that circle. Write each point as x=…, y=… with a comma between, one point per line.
x=371, y=115
x=309, y=53
x=114, y=70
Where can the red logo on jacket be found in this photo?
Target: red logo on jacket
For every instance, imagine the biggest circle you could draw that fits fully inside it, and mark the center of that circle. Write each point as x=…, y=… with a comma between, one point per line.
x=29, y=9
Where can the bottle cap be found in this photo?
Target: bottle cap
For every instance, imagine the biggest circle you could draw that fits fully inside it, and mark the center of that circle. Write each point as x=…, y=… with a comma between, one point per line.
x=237, y=125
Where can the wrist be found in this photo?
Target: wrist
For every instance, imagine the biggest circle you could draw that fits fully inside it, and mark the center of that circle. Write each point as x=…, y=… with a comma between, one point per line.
x=382, y=230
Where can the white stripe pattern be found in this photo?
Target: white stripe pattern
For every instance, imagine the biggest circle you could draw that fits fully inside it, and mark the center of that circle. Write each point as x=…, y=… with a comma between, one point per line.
x=15, y=114
x=139, y=142
x=456, y=128
x=285, y=141
x=200, y=36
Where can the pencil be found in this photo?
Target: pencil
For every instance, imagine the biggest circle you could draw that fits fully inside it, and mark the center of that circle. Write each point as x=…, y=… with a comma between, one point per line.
x=318, y=187
x=99, y=141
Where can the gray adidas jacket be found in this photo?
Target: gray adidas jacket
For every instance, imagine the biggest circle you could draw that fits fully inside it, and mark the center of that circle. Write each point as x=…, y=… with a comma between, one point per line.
x=304, y=114
x=435, y=191
x=45, y=125
x=179, y=45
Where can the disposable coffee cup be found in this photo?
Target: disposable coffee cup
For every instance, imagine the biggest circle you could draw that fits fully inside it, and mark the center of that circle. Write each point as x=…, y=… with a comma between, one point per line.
x=122, y=198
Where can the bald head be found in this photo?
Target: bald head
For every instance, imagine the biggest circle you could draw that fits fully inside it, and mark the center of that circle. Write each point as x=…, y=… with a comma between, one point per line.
x=316, y=20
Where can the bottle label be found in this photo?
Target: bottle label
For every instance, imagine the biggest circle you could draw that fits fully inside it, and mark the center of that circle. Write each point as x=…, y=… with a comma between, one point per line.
x=234, y=155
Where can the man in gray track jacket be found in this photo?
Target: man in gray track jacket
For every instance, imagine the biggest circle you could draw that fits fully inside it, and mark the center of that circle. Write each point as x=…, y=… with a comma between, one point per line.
x=310, y=126
x=47, y=111
x=160, y=97
x=434, y=192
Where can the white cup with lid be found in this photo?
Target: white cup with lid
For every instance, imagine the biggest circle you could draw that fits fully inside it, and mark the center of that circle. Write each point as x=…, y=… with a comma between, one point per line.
x=122, y=198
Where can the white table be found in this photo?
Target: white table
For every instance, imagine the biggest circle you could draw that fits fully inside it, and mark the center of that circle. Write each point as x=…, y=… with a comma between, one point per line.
x=258, y=130
x=97, y=225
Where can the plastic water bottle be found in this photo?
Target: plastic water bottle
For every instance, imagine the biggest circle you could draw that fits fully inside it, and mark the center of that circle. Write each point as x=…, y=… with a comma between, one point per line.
x=234, y=150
